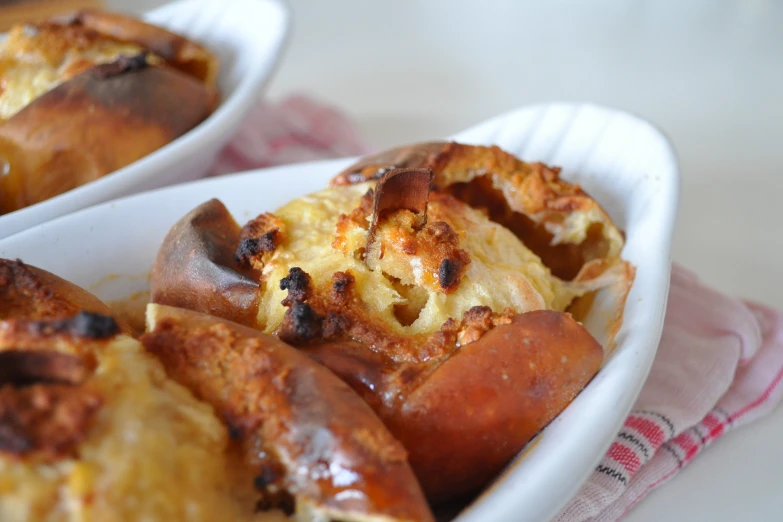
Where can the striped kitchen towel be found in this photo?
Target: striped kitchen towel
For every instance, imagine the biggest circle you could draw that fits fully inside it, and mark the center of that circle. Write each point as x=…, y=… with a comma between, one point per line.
x=719, y=364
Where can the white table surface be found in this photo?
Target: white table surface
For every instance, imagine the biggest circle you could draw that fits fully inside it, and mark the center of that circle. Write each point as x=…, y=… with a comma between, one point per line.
x=709, y=72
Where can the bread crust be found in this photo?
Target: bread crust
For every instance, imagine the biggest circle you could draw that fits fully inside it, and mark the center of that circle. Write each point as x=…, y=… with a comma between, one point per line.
x=300, y=428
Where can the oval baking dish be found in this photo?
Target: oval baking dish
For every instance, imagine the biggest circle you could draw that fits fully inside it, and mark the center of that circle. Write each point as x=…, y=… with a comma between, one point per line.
x=247, y=36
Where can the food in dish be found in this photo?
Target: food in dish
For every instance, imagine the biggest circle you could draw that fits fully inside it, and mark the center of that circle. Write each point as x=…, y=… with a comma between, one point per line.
x=200, y=419
x=444, y=282
x=86, y=94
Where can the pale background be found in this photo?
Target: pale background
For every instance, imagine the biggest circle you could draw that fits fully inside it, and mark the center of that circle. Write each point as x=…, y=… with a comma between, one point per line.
x=709, y=72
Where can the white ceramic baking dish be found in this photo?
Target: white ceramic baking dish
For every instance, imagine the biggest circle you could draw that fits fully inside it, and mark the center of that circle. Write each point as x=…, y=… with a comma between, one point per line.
x=622, y=161
x=248, y=37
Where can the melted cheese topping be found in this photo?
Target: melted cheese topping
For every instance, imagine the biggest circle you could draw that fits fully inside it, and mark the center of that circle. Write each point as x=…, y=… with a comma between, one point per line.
x=154, y=453
x=503, y=272
x=35, y=60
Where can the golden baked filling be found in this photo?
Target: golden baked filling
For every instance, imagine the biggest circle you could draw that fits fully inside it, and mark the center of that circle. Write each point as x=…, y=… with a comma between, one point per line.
x=556, y=219
x=420, y=273
x=118, y=442
x=405, y=289
x=36, y=58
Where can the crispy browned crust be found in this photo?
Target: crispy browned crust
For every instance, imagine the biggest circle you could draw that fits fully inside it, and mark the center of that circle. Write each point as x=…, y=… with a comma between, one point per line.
x=401, y=197
x=259, y=238
x=459, y=416
x=46, y=407
x=50, y=331
x=27, y=292
x=45, y=422
x=302, y=429
x=44, y=410
x=181, y=53
x=94, y=124
x=196, y=269
x=528, y=198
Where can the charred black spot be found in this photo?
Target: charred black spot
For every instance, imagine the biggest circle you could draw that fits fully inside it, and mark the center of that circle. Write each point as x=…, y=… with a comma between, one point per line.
x=84, y=324
x=341, y=281
x=270, y=483
x=248, y=247
x=88, y=325
x=92, y=325
x=301, y=324
x=298, y=285
x=448, y=273
x=304, y=318
x=121, y=65
x=252, y=246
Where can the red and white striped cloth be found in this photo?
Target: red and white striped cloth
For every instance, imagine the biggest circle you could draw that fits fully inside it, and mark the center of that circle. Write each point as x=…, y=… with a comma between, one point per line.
x=719, y=364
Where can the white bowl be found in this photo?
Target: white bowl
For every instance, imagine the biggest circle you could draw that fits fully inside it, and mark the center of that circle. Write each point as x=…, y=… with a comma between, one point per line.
x=624, y=162
x=247, y=36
